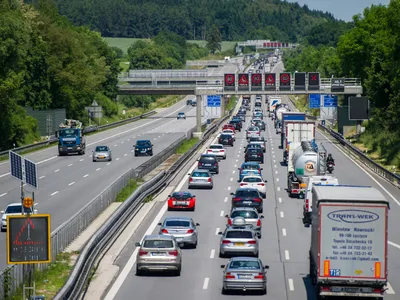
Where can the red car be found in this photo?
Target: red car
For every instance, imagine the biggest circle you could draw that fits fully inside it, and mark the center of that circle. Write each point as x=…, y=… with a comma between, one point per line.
x=229, y=126
x=182, y=200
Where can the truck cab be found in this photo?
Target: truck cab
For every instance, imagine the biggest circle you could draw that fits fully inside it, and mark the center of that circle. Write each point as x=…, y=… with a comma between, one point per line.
x=71, y=138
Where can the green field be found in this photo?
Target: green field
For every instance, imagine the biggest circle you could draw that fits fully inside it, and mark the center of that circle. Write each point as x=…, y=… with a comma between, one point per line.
x=124, y=43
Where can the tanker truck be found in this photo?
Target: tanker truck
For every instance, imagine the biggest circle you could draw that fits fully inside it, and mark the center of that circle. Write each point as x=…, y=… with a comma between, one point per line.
x=279, y=110
x=273, y=102
x=304, y=159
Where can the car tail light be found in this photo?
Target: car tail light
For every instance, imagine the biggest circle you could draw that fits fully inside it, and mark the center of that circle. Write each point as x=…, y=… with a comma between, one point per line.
x=199, y=164
x=307, y=205
x=325, y=288
x=229, y=221
x=141, y=252
x=221, y=150
x=242, y=184
x=259, y=276
x=259, y=222
x=229, y=276
x=377, y=290
x=226, y=242
x=257, y=199
x=216, y=164
x=252, y=242
x=190, y=179
x=260, y=154
x=209, y=179
x=190, y=231
x=164, y=231
x=262, y=184
x=236, y=199
x=173, y=253
x=209, y=150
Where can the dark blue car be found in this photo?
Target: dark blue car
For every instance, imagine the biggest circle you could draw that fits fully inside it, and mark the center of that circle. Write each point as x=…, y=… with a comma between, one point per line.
x=143, y=147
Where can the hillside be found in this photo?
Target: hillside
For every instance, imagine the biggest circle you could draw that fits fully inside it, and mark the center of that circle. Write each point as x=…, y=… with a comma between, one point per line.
x=236, y=20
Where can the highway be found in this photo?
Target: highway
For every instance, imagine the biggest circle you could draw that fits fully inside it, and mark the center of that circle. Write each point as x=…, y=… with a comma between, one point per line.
x=66, y=184
x=284, y=246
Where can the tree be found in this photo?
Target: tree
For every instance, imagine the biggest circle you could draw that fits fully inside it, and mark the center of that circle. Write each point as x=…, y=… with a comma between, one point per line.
x=214, y=40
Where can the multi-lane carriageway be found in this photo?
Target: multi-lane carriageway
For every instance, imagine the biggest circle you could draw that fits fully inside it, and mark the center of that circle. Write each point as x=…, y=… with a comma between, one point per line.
x=284, y=245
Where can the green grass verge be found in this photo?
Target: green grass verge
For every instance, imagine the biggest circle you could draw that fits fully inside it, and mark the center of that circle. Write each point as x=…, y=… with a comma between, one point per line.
x=301, y=103
x=186, y=145
x=127, y=191
x=231, y=103
x=49, y=281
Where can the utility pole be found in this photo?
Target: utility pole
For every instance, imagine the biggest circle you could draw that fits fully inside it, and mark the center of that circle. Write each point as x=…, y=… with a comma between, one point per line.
x=199, y=104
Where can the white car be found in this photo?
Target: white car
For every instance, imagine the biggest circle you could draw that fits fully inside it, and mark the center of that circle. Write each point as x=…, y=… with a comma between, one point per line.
x=253, y=131
x=12, y=209
x=255, y=182
x=229, y=131
x=218, y=150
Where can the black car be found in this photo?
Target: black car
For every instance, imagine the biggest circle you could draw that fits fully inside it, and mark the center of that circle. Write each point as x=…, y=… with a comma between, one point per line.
x=237, y=123
x=254, y=154
x=143, y=147
x=189, y=102
x=260, y=124
x=257, y=104
x=208, y=162
x=247, y=197
x=225, y=139
x=252, y=146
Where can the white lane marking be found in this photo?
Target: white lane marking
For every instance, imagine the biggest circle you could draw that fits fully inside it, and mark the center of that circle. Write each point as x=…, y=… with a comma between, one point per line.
x=56, y=192
x=291, y=285
x=280, y=200
x=3, y=194
x=56, y=170
x=216, y=231
x=222, y=213
x=229, y=188
x=122, y=142
x=275, y=166
x=287, y=257
x=5, y=174
x=85, y=175
x=277, y=180
x=115, y=145
x=117, y=158
x=125, y=154
x=233, y=172
x=73, y=182
x=276, y=172
x=154, y=139
x=273, y=152
x=274, y=161
x=273, y=156
x=108, y=163
x=284, y=232
x=41, y=177
x=235, y=166
x=390, y=290
x=212, y=254
x=132, y=150
x=282, y=214
x=129, y=140
x=237, y=160
x=394, y=244
x=70, y=165
x=238, y=155
x=81, y=159
x=205, y=284
x=231, y=179
x=98, y=169
x=278, y=188
x=376, y=181
x=226, y=199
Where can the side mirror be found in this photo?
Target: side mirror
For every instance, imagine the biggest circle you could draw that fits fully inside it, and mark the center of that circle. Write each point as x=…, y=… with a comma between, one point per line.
x=137, y=244
x=194, y=196
x=226, y=216
x=262, y=169
x=189, y=174
x=265, y=180
x=233, y=194
x=266, y=267
x=197, y=224
x=169, y=196
x=220, y=233
x=181, y=245
x=222, y=266
x=159, y=224
x=261, y=217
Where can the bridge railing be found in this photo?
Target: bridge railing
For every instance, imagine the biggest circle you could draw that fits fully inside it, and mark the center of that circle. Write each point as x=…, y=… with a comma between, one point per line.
x=198, y=63
x=167, y=73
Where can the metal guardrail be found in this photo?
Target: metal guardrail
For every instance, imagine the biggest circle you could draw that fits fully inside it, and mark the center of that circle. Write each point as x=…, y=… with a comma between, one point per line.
x=164, y=73
x=87, y=129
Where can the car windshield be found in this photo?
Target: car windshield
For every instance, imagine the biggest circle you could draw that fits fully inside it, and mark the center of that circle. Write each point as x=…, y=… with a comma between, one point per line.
x=225, y=136
x=200, y=174
x=101, y=148
x=244, y=264
x=180, y=113
x=13, y=209
x=177, y=223
x=253, y=129
x=207, y=159
x=253, y=150
x=252, y=179
x=239, y=234
x=68, y=132
x=181, y=195
x=158, y=244
x=247, y=193
x=216, y=147
x=250, y=167
x=143, y=143
x=257, y=146
x=256, y=139
x=247, y=214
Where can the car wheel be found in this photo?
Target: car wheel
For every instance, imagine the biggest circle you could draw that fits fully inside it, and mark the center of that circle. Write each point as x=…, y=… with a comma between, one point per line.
x=221, y=255
x=264, y=291
x=178, y=272
x=194, y=207
x=217, y=172
x=136, y=154
x=256, y=255
x=224, y=291
x=139, y=272
x=93, y=160
x=3, y=230
x=151, y=153
x=224, y=157
x=211, y=187
x=261, y=210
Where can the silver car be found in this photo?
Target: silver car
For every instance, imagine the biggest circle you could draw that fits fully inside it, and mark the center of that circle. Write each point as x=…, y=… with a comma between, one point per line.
x=251, y=216
x=252, y=131
x=238, y=239
x=200, y=178
x=159, y=253
x=182, y=228
x=102, y=153
x=243, y=274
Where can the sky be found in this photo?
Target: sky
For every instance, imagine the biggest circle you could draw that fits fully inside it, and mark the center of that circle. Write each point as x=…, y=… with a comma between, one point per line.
x=341, y=9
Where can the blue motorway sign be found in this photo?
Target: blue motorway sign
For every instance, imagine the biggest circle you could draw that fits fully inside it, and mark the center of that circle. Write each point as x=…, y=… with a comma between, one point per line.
x=315, y=100
x=214, y=100
x=330, y=101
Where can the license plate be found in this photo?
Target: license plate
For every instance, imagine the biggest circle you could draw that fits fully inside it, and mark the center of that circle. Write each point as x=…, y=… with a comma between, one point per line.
x=143, y=151
x=179, y=239
x=101, y=156
x=69, y=148
x=239, y=244
x=244, y=277
x=351, y=290
x=158, y=254
x=247, y=202
x=207, y=165
x=181, y=203
x=254, y=156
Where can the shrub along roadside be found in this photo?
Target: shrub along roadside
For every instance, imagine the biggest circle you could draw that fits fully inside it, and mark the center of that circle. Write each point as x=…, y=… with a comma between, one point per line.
x=187, y=145
x=128, y=190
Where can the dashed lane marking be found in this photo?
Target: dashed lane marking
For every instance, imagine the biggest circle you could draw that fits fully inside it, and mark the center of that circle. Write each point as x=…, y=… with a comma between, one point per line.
x=287, y=257
x=2, y=195
x=277, y=180
x=55, y=193
x=117, y=158
x=125, y=154
x=205, y=284
x=216, y=231
x=222, y=213
x=70, y=165
x=81, y=159
x=108, y=163
x=229, y=188
x=280, y=200
x=55, y=171
x=231, y=179
x=278, y=188
x=284, y=232
x=41, y=177
x=73, y=182
x=98, y=169
x=291, y=285
x=212, y=254
x=282, y=214
x=226, y=199
x=84, y=176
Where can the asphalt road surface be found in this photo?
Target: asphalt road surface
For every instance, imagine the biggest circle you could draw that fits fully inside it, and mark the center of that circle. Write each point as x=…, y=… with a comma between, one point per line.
x=285, y=241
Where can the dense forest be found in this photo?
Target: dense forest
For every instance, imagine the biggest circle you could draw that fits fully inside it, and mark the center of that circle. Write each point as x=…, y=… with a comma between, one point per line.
x=369, y=51
x=192, y=19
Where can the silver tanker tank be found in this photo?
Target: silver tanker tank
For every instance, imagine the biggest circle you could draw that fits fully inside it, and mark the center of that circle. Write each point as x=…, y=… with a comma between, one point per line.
x=278, y=112
x=305, y=160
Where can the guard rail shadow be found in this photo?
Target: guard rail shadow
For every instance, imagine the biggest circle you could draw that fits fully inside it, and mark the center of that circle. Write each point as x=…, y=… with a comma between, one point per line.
x=88, y=129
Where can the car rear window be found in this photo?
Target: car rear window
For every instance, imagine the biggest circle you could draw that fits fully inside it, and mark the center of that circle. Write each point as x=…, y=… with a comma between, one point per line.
x=250, y=167
x=252, y=179
x=158, y=244
x=177, y=223
x=200, y=174
x=207, y=159
x=216, y=147
x=244, y=265
x=233, y=234
x=256, y=139
x=247, y=214
x=246, y=193
x=181, y=195
x=253, y=150
x=101, y=148
x=225, y=136
x=253, y=129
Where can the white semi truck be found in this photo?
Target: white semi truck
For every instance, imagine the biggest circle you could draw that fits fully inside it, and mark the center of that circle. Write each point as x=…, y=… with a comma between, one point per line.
x=349, y=236
x=296, y=132
x=304, y=159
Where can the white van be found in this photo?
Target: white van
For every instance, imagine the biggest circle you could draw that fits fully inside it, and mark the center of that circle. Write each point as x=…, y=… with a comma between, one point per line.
x=314, y=180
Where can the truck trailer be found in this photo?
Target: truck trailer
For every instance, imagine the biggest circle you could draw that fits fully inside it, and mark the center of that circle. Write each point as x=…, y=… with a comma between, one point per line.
x=296, y=132
x=348, y=253
x=290, y=116
x=279, y=110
